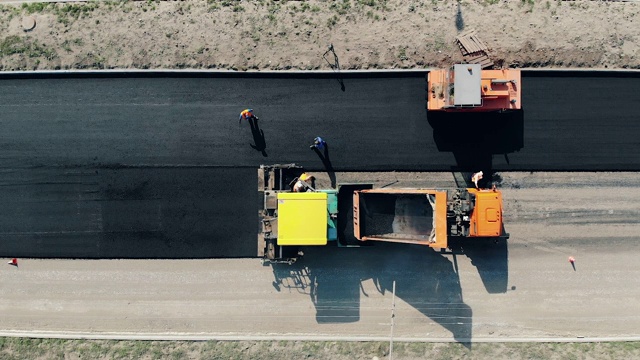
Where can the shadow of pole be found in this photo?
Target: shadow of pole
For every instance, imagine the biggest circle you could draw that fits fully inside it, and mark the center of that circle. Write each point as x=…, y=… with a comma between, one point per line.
x=258, y=138
x=335, y=65
x=459, y=19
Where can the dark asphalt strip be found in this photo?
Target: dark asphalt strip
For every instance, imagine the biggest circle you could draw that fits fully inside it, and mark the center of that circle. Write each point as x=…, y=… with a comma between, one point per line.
x=158, y=167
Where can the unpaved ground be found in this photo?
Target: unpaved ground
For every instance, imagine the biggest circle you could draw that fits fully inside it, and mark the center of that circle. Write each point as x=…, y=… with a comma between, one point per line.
x=286, y=350
x=269, y=34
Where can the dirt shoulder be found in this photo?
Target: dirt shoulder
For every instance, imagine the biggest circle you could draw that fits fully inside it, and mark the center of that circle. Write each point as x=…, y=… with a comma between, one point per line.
x=13, y=348
x=282, y=35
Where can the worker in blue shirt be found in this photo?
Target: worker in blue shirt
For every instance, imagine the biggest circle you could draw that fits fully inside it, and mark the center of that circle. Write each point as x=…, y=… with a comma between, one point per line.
x=318, y=143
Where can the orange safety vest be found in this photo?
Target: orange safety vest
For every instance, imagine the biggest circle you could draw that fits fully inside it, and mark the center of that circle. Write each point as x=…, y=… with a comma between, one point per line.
x=246, y=114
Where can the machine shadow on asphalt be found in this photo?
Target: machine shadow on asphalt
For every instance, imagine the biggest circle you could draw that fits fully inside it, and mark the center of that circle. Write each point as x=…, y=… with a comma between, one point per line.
x=425, y=279
x=474, y=138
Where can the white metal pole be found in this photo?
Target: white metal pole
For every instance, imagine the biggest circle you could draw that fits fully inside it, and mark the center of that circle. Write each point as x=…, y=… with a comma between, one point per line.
x=393, y=315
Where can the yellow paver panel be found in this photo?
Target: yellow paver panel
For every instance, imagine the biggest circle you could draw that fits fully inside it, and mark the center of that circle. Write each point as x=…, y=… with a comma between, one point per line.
x=302, y=218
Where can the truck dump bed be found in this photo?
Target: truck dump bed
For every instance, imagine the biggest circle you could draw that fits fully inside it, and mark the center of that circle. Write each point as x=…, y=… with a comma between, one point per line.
x=401, y=215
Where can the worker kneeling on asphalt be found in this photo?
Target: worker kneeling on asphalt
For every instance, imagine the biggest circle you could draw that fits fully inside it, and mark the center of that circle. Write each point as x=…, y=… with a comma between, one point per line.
x=247, y=114
x=304, y=183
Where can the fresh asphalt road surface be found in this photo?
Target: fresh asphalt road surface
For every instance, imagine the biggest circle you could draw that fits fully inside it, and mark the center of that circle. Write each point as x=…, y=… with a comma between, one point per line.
x=523, y=289
x=378, y=123
x=129, y=213
x=160, y=168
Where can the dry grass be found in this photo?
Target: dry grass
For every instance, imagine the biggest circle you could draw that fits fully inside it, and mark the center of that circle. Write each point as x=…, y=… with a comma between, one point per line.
x=24, y=348
x=281, y=35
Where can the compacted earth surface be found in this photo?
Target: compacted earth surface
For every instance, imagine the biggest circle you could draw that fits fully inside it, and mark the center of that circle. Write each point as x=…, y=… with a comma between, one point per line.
x=283, y=35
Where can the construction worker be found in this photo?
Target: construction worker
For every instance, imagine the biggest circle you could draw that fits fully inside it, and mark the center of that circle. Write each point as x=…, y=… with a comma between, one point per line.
x=247, y=114
x=318, y=143
x=306, y=177
x=303, y=183
x=476, y=177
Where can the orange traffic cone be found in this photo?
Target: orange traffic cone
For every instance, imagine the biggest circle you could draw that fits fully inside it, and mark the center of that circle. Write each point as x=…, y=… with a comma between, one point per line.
x=13, y=262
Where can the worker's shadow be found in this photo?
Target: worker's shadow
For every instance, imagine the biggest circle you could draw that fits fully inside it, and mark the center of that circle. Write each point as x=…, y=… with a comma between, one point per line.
x=326, y=161
x=258, y=137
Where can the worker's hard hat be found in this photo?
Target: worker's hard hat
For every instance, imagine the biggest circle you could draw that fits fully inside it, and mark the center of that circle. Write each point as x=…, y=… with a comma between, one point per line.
x=305, y=177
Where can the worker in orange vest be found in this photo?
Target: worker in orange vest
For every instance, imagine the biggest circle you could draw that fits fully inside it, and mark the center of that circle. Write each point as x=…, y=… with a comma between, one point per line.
x=247, y=114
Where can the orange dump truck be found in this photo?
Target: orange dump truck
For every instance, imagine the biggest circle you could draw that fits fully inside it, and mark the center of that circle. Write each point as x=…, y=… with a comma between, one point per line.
x=355, y=213
x=426, y=216
x=466, y=87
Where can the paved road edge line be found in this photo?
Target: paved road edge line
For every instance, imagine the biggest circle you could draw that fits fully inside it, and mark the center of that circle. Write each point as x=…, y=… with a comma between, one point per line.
x=223, y=337
x=221, y=72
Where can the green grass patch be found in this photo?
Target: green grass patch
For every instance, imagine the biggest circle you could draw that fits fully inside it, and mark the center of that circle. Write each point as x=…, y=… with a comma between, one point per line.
x=66, y=46
x=67, y=13
x=341, y=7
x=402, y=54
x=15, y=44
x=31, y=8
x=76, y=10
x=332, y=21
x=25, y=348
x=11, y=11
